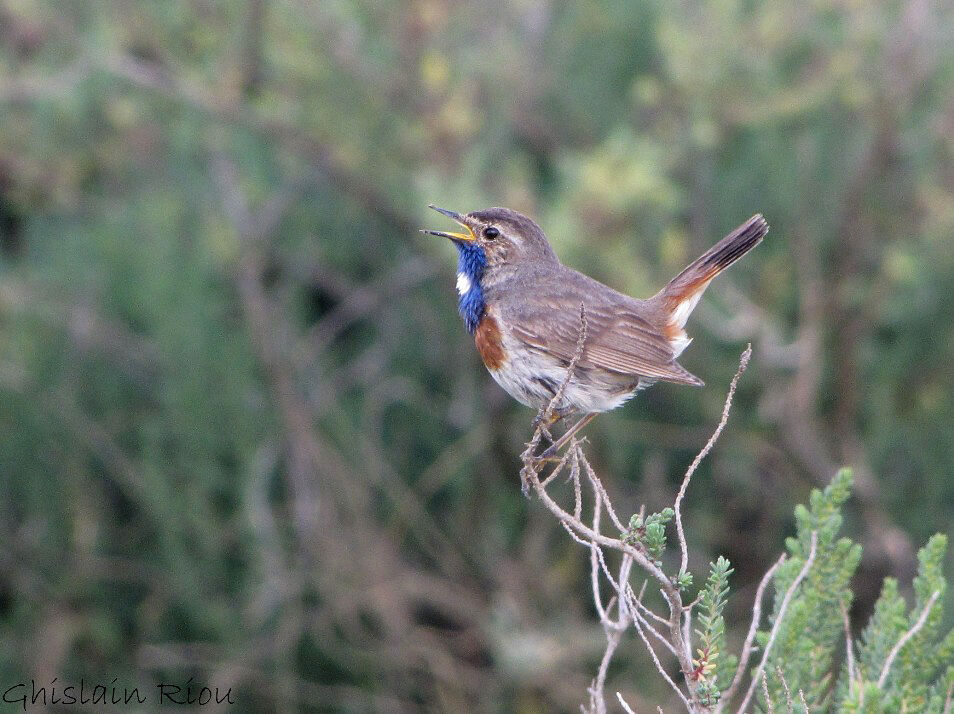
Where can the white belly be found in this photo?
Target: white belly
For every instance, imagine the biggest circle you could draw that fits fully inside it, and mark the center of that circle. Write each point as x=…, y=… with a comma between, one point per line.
x=533, y=377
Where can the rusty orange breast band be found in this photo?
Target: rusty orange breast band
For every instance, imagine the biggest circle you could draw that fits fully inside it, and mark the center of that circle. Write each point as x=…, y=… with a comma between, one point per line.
x=490, y=343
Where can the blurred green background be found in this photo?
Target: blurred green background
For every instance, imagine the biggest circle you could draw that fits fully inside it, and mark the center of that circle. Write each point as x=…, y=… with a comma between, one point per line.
x=244, y=437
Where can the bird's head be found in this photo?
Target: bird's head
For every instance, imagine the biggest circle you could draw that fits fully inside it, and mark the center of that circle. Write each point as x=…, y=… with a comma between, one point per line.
x=500, y=235
x=495, y=244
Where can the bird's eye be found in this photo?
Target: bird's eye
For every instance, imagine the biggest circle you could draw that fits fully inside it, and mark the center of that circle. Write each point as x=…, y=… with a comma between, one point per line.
x=490, y=233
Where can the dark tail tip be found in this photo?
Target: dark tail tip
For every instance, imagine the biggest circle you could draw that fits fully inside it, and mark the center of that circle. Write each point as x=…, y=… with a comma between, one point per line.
x=737, y=243
x=719, y=257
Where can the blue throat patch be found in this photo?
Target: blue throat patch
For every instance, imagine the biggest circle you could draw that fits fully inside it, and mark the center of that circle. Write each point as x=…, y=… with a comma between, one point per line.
x=471, y=261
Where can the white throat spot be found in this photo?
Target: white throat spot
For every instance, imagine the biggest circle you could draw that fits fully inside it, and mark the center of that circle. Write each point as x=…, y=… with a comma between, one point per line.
x=463, y=284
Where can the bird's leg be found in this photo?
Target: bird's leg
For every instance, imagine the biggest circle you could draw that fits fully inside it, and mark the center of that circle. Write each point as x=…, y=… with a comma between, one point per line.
x=551, y=453
x=539, y=421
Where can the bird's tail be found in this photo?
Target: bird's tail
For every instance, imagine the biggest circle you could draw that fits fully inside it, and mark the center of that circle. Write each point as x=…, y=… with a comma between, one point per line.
x=682, y=293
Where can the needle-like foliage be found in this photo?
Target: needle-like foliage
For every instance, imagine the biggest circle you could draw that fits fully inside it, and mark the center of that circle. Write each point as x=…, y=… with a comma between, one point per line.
x=714, y=667
x=806, y=656
x=904, y=664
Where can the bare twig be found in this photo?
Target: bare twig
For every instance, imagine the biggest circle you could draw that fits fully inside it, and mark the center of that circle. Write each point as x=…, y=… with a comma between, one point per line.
x=644, y=609
x=559, y=467
x=577, y=486
x=780, y=618
x=669, y=590
x=607, y=573
x=625, y=566
x=906, y=637
x=849, y=647
x=750, y=637
x=622, y=703
x=613, y=629
x=660, y=668
x=613, y=637
x=687, y=625
x=636, y=608
x=595, y=558
x=543, y=417
x=571, y=368
x=683, y=548
x=598, y=485
x=574, y=536
x=788, y=692
x=675, y=636
x=765, y=691
x=654, y=632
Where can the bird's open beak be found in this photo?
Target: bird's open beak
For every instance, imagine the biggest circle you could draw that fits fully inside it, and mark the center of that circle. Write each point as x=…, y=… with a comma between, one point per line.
x=467, y=237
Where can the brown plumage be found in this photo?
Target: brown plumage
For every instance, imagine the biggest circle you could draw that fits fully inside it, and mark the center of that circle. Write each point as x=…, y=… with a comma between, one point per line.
x=623, y=335
x=490, y=343
x=523, y=307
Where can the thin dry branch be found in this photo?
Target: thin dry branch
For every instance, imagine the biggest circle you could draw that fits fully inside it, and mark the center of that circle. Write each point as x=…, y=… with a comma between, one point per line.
x=577, y=486
x=639, y=602
x=614, y=629
x=598, y=485
x=543, y=418
x=571, y=368
x=654, y=632
x=788, y=692
x=661, y=669
x=676, y=637
x=669, y=590
x=575, y=537
x=683, y=548
x=638, y=556
x=906, y=637
x=606, y=571
x=747, y=647
x=789, y=594
x=556, y=471
x=676, y=633
x=622, y=703
x=613, y=637
x=849, y=647
x=765, y=691
x=596, y=558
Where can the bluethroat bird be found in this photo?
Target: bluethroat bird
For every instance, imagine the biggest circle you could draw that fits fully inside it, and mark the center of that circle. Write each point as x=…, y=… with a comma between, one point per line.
x=523, y=307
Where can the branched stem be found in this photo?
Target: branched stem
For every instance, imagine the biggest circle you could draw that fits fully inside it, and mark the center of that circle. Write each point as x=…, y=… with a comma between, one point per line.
x=747, y=647
x=675, y=633
x=849, y=648
x=906, y=637
x=622, y=703
x=683, y=548
x=780, y=618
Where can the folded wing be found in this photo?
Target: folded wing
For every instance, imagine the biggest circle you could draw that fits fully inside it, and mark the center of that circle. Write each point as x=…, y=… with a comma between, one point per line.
x=619, y=338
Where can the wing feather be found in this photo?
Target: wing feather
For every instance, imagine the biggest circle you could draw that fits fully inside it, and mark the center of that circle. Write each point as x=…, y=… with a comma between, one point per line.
x=620, y=338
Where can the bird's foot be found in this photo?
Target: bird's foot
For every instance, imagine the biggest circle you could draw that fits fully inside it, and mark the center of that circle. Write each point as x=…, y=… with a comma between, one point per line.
x=550, y=454
x=543, y=422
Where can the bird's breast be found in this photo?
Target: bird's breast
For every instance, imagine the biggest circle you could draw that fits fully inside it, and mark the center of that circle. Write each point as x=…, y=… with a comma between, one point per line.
x=489, y=342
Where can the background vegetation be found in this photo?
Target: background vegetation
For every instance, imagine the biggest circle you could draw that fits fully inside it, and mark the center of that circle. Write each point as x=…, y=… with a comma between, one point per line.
x=243, y=435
